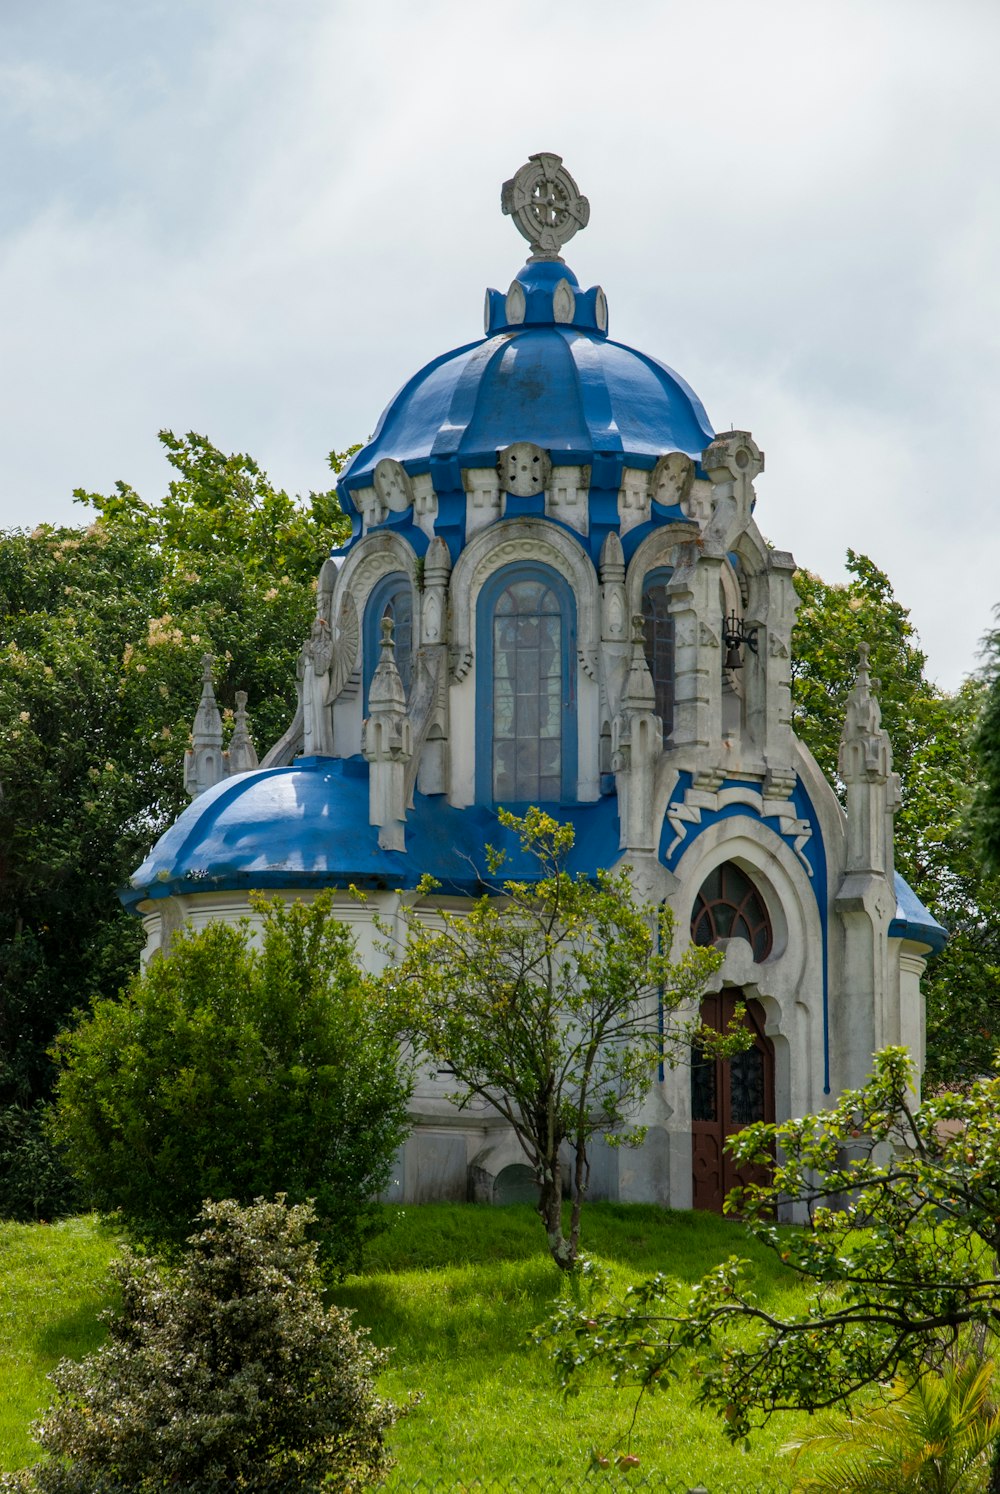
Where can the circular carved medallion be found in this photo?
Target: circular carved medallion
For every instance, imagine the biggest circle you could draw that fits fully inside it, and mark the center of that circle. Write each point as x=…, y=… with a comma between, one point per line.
x=546, y=204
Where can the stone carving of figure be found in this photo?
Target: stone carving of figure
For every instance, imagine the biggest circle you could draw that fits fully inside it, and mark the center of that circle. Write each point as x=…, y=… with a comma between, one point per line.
x=324, y=667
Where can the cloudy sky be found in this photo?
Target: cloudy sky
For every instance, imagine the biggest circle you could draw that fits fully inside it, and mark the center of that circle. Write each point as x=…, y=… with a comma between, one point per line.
x=256, y=218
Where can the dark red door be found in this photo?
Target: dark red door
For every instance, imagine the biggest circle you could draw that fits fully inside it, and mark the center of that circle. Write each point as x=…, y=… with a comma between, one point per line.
x=726, y=1095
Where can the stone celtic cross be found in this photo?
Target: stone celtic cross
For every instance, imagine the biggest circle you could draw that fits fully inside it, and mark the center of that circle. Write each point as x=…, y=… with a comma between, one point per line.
x=546, y=204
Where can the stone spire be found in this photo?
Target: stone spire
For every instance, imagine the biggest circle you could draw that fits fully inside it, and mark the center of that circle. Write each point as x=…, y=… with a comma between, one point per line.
x=865, y=765
x=387, y=746
x=203, y=761
x=242, y=754
x=636, y=745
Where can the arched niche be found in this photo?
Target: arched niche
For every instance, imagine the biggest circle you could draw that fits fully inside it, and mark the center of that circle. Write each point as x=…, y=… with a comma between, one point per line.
x=789, y=981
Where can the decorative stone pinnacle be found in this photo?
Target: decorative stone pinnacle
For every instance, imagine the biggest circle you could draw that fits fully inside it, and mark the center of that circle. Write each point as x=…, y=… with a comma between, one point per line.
x=545, y=204
x=387, y=643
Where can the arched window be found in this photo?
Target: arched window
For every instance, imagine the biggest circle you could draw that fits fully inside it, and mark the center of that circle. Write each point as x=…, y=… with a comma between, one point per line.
x=391, y=597
x=525, y=695
x=730, y=907
x=659, y=635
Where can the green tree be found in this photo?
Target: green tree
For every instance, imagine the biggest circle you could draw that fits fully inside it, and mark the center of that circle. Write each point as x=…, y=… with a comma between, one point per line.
x=226, y=1373
x=987, y=746
x=232, y=1069
x=103, y=629
x=552, y=1000
x=932, y=741
x=899, y=1251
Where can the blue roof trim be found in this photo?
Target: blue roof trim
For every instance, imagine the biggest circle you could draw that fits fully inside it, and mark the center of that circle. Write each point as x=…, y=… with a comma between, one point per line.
x=306, y=826
x=914, y=921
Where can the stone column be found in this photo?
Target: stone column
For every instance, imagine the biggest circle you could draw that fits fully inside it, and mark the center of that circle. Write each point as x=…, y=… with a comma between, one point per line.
x=867, y=1017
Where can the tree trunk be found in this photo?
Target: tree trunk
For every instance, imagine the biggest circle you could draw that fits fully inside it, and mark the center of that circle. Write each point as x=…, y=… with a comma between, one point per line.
x=550, y=1209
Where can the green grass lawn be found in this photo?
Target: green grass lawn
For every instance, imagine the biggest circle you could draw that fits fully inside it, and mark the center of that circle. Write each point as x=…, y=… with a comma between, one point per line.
x=53, y=1284
x=455, y=1291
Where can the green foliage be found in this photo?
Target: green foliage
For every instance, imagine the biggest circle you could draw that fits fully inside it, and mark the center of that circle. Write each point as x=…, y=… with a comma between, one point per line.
x=934, y=1436
x=899, y=1251
x=988, y=755
x=103, y=631
x=230, y=1070
x=932, y=743
x=226, y=1373
x=542, y=1000
x=34, y=1183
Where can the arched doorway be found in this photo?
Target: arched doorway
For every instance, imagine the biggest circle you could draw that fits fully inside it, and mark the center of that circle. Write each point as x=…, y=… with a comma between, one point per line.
x=726, y=1095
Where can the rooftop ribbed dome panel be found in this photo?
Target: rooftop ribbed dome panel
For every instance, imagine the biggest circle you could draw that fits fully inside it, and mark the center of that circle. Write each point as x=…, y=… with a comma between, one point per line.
x=546, y=373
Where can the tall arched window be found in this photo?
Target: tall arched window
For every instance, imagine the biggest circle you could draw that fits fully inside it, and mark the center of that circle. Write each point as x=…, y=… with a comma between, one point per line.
x=391, y=597
x=729, y=906
x=525, y=695
x=659, y=636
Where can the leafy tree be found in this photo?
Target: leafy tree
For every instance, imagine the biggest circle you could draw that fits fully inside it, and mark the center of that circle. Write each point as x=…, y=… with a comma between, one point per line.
x=934, y=1436
x=932, y=741
x=988, y=753
x=900, y=1250
x=231, y=1069
x=103, y=629
x=226, y=1373
x=542, y=1001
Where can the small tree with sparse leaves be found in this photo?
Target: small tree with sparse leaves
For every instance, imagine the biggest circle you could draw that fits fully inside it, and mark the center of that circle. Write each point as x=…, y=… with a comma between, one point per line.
x=552, y=1000
x=224, y=1374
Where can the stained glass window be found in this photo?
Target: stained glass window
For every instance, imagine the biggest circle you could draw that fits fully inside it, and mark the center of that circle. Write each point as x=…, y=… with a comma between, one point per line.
x=659, y=640
x=527, y=694
x=730, y=907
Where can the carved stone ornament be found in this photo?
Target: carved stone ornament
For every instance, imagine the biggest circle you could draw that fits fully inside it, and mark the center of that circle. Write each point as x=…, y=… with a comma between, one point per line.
x=671, y=480
x=546, y=205
x=393, y=486
x=523, y=469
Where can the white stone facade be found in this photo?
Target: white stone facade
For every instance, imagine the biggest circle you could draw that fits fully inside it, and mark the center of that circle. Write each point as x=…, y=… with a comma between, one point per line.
x=671, y=717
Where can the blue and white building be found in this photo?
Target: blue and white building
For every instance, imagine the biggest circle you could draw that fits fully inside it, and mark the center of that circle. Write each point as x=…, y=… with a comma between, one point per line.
x=585, y=616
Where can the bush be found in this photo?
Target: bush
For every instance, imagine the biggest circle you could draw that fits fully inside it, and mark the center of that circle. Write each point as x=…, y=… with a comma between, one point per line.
x=34, y=1182
x=235, y=1070
x=225, y=1373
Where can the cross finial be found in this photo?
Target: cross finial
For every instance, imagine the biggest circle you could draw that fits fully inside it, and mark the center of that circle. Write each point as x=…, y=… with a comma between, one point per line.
x=546, y=204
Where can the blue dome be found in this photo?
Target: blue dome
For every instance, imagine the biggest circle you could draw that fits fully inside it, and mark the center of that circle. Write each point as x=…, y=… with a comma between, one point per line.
x=306, y=826
x=545, y=373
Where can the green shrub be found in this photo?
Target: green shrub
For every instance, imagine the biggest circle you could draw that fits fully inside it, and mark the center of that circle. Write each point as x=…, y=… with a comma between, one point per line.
x=225, y=1373
x=237, y=1070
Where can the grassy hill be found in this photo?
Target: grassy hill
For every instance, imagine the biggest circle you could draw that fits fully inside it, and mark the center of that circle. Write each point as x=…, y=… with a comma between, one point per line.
x=455, y=1290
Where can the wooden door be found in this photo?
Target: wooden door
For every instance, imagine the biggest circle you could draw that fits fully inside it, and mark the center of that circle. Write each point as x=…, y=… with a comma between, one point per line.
x=726, y=1095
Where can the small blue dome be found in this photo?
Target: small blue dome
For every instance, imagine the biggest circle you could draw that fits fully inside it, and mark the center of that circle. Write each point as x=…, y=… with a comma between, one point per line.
x=546, y=373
